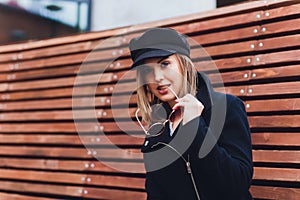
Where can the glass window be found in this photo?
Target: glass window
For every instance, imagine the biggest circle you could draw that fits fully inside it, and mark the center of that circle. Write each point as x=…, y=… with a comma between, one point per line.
x=75, y=13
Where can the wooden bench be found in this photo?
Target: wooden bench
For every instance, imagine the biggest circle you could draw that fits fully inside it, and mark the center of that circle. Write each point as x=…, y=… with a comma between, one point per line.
x=255, y=49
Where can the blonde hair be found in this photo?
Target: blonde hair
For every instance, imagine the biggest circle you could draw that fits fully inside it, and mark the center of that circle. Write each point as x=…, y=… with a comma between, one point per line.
x=145, y=99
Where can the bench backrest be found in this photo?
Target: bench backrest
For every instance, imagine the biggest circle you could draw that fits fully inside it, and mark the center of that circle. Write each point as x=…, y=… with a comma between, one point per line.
x=46, y=85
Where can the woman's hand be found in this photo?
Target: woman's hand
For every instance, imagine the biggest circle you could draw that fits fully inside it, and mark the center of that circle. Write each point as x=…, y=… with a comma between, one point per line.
x=192, y=107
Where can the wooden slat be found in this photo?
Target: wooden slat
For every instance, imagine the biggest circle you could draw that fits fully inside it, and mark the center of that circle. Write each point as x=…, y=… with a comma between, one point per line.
x=291, y=104
x=230, y=77
x=71, y=152
x=275, y=139
x=234, y=90
x=276, y=156
x=278, y=57
x=234, y=34
x=225, y=63
x=4, y=196
x=96, y=44
x=218, y=23
x=269, y=192
x=276, y=174
x=84, y=67
x=104, y=89
x=274, y=88
x=47, y=62
x=58, y=177
x=72, y=165
x=255, y=74
x=83, y=102
x=279, y=42
x=75, y=191
x=281, y=26
x=39, y=73
x=226, y=49
x=263, y=89
x=71, y=139
x=246, y=61
x=252, y=45
x=114, y=194
x=68, y=70
x=50, y=51
x=41, y=188
x=67, y=127
x=275, y=72
x=283, y=10
x=67, y=81
x=107, y=57
x=70, y=91
x=64, y=82
x=69, y=115
x=69, y=178
x=286, y=121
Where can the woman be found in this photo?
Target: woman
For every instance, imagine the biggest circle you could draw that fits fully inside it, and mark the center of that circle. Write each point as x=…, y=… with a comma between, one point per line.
x=200, y=148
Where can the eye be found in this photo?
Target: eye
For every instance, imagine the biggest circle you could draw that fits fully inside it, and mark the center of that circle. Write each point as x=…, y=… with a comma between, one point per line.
x=164, y=64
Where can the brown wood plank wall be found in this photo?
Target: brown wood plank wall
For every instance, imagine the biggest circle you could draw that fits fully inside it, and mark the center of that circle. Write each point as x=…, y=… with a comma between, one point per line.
x=255, y=48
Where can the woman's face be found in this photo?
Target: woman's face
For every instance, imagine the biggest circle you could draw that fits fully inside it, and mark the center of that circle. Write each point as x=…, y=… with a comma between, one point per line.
x=162, y=73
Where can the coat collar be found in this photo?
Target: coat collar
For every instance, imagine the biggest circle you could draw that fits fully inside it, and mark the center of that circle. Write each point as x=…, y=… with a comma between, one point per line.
x=204, y=90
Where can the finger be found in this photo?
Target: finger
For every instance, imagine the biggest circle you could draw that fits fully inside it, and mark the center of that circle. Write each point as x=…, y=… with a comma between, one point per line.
x=189, y=97
x=180, y=100
x=177, y=106
x=183, y=99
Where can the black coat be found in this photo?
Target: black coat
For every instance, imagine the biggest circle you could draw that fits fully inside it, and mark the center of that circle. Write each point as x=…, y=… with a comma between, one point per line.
x=217, y=144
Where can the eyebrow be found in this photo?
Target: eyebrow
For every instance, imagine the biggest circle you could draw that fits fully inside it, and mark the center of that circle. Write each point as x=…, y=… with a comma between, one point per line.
x=161, y=59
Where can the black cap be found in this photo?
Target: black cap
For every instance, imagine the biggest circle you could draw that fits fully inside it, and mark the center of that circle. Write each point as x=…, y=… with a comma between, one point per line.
x=157, y=42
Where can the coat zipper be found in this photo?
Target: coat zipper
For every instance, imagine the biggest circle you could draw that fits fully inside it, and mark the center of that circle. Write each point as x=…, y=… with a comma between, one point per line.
x=188, y=165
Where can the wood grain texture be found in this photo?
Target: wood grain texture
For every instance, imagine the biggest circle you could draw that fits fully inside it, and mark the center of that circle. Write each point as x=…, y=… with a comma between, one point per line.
x=67, y=132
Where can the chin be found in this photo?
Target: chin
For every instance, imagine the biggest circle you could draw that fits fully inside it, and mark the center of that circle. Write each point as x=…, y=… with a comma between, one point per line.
x=166, y=99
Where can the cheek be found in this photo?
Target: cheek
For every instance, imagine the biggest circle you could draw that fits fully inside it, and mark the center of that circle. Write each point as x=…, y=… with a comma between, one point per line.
x=148, y=78
x=151, y=87
x=175, y=71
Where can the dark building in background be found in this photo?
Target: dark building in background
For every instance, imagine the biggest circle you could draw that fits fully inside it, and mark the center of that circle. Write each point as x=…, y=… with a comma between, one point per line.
x=221, y=3
x=19, y=25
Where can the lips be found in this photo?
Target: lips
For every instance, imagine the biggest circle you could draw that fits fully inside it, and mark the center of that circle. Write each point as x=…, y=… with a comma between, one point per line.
x=163, y=89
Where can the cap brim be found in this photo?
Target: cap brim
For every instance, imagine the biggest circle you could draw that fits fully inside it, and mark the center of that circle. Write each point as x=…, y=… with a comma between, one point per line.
x=157, y=53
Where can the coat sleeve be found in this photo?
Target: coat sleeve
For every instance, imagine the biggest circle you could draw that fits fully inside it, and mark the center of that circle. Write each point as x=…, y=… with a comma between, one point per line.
x=227, y=169
x=152, y=189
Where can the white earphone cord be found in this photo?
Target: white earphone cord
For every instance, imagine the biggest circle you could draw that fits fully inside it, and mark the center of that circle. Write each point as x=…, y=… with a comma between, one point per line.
x=188, y=165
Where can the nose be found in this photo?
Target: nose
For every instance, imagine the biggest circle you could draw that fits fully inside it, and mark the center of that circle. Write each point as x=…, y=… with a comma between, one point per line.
x=158, y=74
